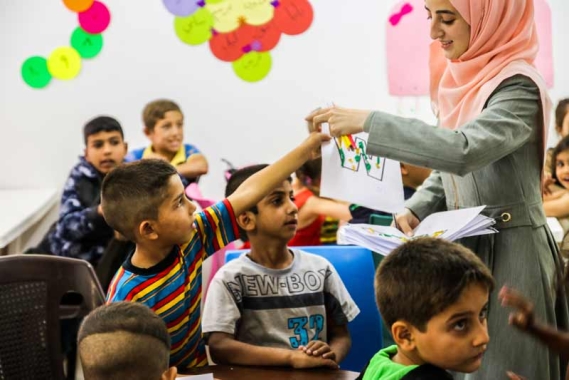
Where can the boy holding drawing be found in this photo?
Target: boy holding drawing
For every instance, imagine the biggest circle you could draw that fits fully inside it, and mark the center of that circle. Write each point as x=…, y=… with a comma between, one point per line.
x=145, y=201
x=433, y=296
x=274, y=306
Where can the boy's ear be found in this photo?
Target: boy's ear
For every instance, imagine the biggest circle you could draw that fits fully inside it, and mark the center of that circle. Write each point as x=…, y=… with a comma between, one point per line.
x=404, y=170
x=85, y=152
x=247, y=221
x=170, y=374
x=402, y=333
x=125, y=147
x=147, y=231
x=147, y=131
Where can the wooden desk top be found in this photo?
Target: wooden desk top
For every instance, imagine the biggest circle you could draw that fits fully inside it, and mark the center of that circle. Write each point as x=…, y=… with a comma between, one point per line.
x=225, y=372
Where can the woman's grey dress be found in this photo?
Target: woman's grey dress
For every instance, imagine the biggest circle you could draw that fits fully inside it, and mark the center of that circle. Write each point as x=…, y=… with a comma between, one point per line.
x=494, y=160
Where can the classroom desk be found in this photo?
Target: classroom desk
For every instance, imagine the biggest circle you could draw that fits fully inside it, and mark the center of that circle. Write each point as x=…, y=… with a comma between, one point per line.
x=21, y=209
x=225, y=372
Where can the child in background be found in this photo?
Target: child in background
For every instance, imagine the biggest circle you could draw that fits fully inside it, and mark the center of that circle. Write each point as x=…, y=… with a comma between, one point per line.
x=146, y=202
x=523, y=318
x=556, y=202
x=562, y=129
x=124, y=340
x=81, y=231
x=433, y=296
x=164, y=127
x=312, y=209
x=413, y=177
x=274, y=306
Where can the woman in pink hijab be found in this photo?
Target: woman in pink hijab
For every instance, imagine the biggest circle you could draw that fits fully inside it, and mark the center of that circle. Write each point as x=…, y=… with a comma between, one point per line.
x=493, y=109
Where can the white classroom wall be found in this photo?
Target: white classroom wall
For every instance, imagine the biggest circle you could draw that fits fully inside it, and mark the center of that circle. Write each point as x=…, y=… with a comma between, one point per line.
x=340, y=59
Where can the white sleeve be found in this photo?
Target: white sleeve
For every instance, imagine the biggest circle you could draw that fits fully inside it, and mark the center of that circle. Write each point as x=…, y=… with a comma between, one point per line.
x=340, y=307
x=221, y=312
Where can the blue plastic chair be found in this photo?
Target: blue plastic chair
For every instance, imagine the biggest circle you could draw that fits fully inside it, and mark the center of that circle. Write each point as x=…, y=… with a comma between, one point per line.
x=355, y=267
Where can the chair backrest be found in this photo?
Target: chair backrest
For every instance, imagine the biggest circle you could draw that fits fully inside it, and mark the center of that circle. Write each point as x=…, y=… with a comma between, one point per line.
x=380, y=220
x=355, y=267
x=194, y=193
x=36, y=292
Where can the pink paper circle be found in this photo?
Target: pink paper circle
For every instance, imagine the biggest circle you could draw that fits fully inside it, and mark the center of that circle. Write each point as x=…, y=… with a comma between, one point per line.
x=95, y=19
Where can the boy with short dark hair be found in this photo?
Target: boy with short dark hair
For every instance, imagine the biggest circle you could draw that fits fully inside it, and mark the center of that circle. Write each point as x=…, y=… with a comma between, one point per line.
x=146, y=202
x=81, y=231
x=433, y=296
x=274, y=306
x=122, y=341
x=164, y=126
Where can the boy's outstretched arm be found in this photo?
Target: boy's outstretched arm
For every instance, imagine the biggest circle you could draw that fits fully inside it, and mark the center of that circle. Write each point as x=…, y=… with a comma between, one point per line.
x=260, y=184
x=224, y=349
x=523, y=318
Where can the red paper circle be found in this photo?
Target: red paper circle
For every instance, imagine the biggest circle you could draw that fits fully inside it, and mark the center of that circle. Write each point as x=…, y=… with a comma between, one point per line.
x=293, y=16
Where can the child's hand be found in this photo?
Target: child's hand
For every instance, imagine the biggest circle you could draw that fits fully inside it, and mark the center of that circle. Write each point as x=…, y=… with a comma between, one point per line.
x=513, y=376
x=523, y=316
x=318, y=348
x=314, y=141
x=301, y=360
x=155, y=155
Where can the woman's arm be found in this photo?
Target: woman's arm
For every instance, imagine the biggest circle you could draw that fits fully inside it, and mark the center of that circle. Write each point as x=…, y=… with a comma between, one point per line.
x=505, y=125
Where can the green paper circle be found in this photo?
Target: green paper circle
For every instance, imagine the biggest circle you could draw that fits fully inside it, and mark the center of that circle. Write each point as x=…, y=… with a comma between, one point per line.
x=196, y=28
x=88, y=45
x=253, y=66
x=35, y=72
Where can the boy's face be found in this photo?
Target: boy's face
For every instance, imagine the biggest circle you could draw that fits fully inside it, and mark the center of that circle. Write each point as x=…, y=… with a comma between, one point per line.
x=168, y=133
x=456, y=338
x=277, y=216
x=105, y=150
x=176, y=215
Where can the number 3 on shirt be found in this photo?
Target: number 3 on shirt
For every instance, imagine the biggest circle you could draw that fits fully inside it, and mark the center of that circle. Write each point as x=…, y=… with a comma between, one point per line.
x=298, y=325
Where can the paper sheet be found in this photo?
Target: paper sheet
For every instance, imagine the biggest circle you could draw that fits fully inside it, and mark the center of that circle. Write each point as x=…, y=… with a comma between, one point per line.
x=349, y=174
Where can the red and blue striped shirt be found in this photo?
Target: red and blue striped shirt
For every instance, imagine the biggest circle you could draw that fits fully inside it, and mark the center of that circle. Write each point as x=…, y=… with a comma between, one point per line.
x=173, y=287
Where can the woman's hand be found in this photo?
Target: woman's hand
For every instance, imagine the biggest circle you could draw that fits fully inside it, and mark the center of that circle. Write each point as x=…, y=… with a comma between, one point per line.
x=342, y=121
x=406, y=222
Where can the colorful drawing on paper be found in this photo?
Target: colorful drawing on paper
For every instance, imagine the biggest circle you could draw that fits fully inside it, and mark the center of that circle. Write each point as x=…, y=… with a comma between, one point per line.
x=351, y=174
x=352, y=153
x=64, y=62
x=242, y=32
x=404, y=238
x=408, y=43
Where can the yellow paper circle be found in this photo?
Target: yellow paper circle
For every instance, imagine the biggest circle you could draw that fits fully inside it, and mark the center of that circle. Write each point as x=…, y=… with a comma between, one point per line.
x=257, y=12
x=253, y=66
x=196, y=28
x=64, y=63
x=227, y=15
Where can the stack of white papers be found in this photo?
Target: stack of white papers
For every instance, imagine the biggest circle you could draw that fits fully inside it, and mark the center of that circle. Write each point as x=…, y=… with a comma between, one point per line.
x=449, y=225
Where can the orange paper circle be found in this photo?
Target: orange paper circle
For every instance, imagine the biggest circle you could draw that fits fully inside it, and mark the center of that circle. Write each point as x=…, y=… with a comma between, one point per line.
x=78, y=5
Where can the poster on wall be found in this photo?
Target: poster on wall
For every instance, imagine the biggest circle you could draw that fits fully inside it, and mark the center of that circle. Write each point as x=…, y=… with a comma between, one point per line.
x=240, y=32
x=408, y=40
x=86, y=42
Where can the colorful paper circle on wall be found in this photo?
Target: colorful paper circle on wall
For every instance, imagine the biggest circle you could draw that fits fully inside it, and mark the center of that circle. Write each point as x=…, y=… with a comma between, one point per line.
x=78, y=5
x=181, y=8
x=253, y=66
x=293, y=16
x=256, y=12
x=95, y=19
x=195, y=29
x=64, y=63
x=87, y=45
x=35, y=73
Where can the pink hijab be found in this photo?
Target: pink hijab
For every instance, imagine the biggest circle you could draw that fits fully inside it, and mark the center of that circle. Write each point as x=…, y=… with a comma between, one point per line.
x=503, y=43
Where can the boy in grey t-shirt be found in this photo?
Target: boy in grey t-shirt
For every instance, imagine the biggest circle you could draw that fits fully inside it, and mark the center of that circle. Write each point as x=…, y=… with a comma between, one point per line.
x=275, y=306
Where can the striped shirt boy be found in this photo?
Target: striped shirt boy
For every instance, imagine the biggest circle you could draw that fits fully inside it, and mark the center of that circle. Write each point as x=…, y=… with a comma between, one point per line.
x=173, y=287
